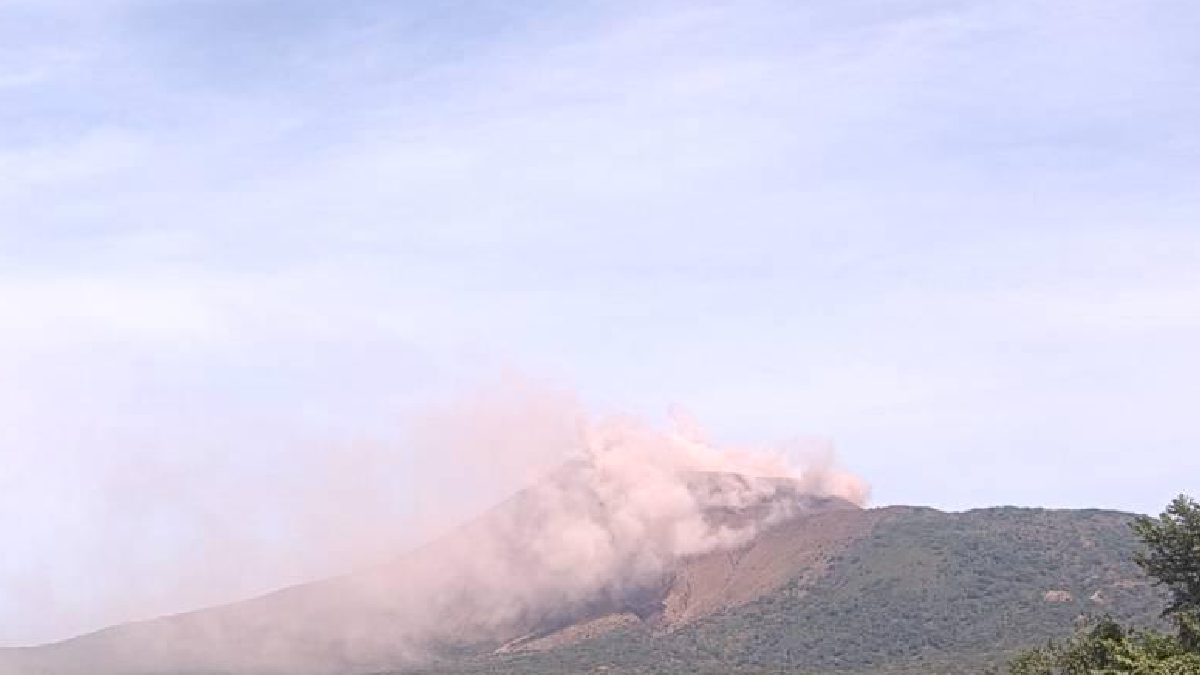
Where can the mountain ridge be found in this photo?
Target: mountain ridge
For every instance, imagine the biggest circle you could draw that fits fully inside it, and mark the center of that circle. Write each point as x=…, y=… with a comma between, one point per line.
x=812, y=567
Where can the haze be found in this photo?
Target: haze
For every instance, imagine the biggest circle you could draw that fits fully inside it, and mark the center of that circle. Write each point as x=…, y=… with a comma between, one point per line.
x=250, y=249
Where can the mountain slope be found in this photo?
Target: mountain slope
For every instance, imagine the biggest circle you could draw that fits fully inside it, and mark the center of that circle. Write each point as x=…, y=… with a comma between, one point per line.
x=920, y=591
x=801, y=584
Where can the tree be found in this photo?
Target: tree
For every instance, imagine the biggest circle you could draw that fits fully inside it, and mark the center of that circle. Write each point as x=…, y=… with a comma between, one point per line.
x=1086, y=652
x=1172, y=557
x=1107, y=648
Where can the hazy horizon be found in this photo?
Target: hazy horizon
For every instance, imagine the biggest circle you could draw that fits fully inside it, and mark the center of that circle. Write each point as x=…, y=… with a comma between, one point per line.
x=251, y=252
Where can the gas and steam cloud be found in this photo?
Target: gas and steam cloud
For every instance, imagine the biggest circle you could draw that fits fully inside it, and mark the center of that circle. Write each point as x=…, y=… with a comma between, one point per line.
x=606, y=511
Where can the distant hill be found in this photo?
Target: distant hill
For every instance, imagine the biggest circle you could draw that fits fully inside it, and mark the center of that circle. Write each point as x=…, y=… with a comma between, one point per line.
x=818, y=586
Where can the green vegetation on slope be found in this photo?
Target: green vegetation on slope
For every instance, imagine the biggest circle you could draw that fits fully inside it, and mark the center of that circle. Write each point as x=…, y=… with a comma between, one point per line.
x=1172, y=559
x=924, y=592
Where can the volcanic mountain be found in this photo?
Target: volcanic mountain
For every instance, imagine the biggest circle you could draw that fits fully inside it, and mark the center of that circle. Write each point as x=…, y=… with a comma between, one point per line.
x=705, y=572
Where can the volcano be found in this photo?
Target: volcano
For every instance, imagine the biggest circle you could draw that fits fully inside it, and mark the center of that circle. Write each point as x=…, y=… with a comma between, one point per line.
x=708, y=572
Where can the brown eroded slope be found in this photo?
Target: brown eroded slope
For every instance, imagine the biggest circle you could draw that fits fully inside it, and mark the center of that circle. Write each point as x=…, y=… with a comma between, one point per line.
x=796, y=552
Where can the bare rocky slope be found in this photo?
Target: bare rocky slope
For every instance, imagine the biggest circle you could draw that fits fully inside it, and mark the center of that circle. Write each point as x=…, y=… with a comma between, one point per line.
x=800, y=584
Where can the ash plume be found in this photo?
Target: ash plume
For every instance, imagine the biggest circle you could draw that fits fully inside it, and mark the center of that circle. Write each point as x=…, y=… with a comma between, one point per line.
x=610, y=507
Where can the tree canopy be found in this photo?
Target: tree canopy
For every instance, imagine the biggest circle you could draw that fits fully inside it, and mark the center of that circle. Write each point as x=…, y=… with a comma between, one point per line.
x=1172, y=555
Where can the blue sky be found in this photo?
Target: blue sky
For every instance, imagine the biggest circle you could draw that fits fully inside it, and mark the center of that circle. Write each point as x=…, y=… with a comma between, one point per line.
x=959, y=238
